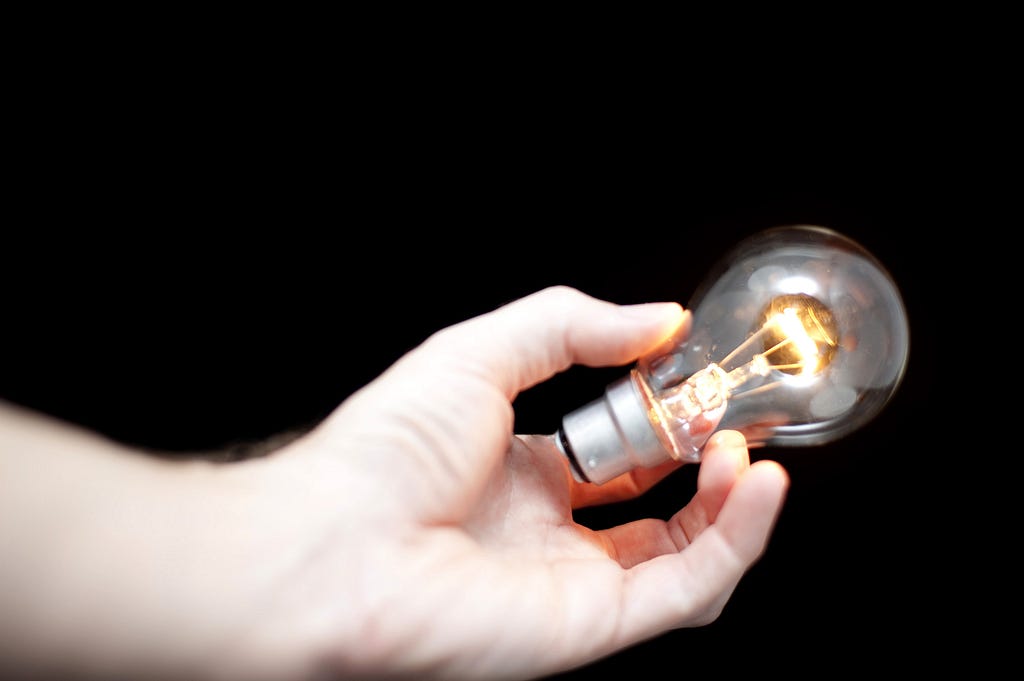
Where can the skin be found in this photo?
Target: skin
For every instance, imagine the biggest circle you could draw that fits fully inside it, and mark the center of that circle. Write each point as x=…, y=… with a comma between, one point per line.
x=409, y=535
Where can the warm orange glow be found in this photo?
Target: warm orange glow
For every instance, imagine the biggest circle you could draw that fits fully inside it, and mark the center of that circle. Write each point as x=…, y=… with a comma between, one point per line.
x=800, y=334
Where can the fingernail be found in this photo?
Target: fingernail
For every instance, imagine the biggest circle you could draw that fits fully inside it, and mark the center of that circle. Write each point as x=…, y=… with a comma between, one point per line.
x=651, y=312
x=728, y=439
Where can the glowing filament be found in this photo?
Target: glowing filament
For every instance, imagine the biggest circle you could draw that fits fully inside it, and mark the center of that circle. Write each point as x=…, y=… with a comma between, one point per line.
x=797, y=335
x=804, y=346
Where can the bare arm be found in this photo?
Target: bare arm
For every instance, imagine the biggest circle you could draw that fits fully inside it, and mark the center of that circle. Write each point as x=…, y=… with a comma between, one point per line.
x=113, y=562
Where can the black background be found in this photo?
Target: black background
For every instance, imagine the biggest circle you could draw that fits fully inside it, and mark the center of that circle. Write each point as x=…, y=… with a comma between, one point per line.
x=204, y=265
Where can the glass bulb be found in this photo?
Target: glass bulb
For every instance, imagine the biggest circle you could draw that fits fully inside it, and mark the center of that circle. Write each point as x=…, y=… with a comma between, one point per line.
x=799, y=337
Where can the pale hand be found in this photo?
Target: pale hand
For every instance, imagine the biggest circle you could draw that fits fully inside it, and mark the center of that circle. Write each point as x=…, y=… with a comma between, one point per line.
x=412, y=535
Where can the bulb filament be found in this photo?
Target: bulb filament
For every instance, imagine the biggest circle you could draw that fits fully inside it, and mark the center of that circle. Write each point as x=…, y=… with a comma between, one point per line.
x=796, y=336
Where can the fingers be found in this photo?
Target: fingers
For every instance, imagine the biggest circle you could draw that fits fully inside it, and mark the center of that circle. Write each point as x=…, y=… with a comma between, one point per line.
x=748, y=516
x=725, y=459
x=724, y=456
x=691, y=586
x=532, y=339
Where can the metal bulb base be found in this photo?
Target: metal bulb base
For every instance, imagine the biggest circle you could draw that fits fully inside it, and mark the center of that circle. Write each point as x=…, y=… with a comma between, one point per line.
x=610, y=436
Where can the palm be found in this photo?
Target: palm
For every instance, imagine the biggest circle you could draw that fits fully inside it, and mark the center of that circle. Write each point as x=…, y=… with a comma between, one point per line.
x=527, y=575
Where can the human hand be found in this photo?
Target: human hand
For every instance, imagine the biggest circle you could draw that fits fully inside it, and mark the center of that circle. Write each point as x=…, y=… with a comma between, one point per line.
x=410, y=534
x=451, y=549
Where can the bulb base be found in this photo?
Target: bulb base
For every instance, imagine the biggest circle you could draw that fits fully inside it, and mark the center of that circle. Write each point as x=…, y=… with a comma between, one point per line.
x=610, y=436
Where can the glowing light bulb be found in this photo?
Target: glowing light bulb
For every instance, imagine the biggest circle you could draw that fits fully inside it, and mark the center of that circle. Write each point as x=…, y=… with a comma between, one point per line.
x=799, y=337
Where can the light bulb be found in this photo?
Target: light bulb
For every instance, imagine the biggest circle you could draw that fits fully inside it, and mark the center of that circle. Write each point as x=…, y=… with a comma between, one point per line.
x=799, y=337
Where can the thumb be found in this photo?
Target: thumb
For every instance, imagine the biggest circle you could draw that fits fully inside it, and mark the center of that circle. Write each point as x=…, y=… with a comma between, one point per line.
x=530, y=340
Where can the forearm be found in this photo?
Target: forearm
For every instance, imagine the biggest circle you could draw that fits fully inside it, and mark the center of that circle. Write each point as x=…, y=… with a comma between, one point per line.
x=113, y=562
